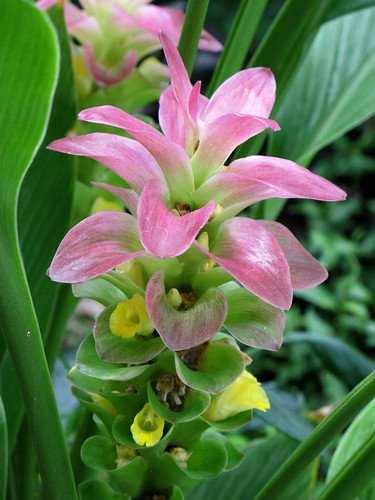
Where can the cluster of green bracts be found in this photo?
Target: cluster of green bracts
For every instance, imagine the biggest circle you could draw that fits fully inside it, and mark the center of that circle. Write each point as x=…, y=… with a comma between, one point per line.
x=160, y=416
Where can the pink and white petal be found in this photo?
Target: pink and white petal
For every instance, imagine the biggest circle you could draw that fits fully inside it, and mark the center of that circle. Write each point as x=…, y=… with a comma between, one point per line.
x=252, y=321
x=184, y=329
x=163, y=233
x=126, y=157
x=255, y=178
x=219, y=138
x=170, y=156
x=252, y=255
x=95, y=246
x=209, y=42
x=128, y=196
x=197, y=101
x=105, y=76
x=172, y=118
x=179, y=77
x=249, y=92
x=84, y=27
x=305, y=270
x=288, y=177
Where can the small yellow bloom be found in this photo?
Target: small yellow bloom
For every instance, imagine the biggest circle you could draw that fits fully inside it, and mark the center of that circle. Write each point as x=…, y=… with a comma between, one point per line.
x=244, y=394
x=147, y=427
x=130, y=318
x=103, y=205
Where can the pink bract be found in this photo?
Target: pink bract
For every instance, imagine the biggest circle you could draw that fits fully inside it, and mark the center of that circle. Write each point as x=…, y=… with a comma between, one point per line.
x=183, y=199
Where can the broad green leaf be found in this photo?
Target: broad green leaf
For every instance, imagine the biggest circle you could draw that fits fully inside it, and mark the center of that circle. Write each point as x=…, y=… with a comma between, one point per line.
x=354, y=438
x=94, y=489
x=342, y=7
x=333, y=90
x=262, y=459
x=3, y=451
x=29, y=65
x=349, y=364
x=44, y=213
x=285, y=414
x=100, y=290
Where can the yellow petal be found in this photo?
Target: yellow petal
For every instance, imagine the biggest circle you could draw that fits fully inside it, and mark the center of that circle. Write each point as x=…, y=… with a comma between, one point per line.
x=243, y=394
x=130, y=317
x=147, y=427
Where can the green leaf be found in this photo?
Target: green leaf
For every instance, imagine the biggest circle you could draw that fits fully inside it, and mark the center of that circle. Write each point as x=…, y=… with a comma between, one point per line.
x=30, y=63
x=3, y=451
x=252, y=321
x=360, y=431
x=88, y=363
x=342, y=7
x=115, y=349
x=100, y=290
x=320, y=438
x=208, y=456
x=238, y=42
x=262, y=459
x=333, y=91
x=349, y=364
x=219, y=365
x=99, y=452
x=94, y=489
x=195, y=403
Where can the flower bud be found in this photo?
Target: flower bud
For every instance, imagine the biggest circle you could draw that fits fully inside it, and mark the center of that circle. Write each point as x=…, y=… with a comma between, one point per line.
x=130, y=318
x=174, y=298
x=147, y=427
x=243, y=394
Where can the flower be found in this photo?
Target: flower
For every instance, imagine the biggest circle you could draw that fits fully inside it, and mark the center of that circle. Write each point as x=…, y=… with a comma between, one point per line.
x=116, y=34
x=147, y=427
x=244, y=394
x=130, y=317
x=184, y=204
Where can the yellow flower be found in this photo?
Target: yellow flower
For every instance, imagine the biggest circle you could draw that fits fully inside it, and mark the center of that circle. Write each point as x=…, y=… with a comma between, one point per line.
x=147, y=427
x=130, y=317
x=103, y=205
x=243, y=394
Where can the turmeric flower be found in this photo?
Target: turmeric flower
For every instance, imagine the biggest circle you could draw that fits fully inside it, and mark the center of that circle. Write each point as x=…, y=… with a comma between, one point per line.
x=115, y=34
x=183, y=202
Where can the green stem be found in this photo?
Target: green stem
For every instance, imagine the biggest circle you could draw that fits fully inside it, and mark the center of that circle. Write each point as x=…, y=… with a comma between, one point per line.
x=354, y=476
x=191, y=32
x=317, y=441
x=24, y=342
x=238, y=43
x=24, y=462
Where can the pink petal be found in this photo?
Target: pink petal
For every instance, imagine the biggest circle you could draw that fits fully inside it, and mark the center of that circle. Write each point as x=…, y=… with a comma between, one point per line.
x=179, y=77
x=109, y=76
x=45, y=4
x=252, y=321
x=170, y=156
x=252, y=255
x=219, y=138
x=172, y=119
x=163, y=233
x=197, y=101
x=168, y=20
x=79, y=23
x=249, y=180
x=305, y=270
x=95, y=246
x=249, y=92
x=184, y=329
x=127, y=158
x=128, y=196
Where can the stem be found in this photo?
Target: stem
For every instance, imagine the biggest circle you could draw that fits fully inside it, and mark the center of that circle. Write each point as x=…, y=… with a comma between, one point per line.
x=238, y=43
x=354, y=476
x=322, y=435
x=24, y=462
x=191, y=32
x=24, y=342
